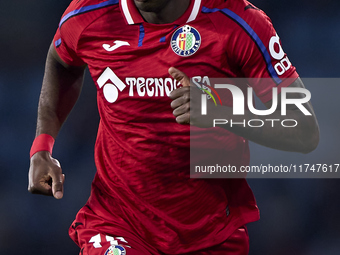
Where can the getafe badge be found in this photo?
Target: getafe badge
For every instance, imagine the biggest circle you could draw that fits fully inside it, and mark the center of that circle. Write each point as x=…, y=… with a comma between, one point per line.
x=115, y=250
x=185, y=41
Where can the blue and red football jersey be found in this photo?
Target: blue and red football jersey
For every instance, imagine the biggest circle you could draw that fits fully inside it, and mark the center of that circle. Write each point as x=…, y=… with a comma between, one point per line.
x=141, y=153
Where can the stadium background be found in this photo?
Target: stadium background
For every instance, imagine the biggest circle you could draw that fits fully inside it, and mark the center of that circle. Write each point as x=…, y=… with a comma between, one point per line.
x=299, y=217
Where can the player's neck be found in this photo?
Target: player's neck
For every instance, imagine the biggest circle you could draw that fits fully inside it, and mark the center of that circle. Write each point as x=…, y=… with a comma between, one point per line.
x=170, y=13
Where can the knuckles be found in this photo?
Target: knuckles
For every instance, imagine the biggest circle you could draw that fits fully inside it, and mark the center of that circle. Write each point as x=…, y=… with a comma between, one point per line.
x=186, y=97
x=179, y=92
x=36, y=188
x=183, y=119
x=174, y=104
x=186, y=107
x=183, y=109
x=33, y=189
x=181, y=104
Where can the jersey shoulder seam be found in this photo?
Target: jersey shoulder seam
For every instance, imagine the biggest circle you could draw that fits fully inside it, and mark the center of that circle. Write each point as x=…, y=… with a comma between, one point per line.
x=85, y=9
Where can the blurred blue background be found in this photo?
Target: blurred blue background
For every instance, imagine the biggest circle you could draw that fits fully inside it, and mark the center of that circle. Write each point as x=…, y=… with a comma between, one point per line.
x=298, y=216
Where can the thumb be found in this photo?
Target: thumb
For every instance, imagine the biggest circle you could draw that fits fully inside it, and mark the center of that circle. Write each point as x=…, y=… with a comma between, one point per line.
x=57, y=186
x=179, y=76
x=57, y=181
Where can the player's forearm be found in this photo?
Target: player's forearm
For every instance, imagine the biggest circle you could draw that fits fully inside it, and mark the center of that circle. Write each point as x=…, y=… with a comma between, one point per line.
x=304, y=137
x=60, y=90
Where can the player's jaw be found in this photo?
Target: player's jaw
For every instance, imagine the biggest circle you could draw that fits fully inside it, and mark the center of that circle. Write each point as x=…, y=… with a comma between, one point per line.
x=151, y=5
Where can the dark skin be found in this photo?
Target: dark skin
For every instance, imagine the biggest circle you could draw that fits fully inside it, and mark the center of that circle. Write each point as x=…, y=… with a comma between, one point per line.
x=161, y=11
x=60, y=90
x=304, y=138
x=62, y=86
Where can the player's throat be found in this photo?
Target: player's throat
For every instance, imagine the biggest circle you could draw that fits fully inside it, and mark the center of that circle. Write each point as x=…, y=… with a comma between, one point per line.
x=162, y=14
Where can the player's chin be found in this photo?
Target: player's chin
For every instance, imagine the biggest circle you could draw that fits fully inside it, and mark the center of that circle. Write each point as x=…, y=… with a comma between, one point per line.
x=141, y=3
x=150, y=5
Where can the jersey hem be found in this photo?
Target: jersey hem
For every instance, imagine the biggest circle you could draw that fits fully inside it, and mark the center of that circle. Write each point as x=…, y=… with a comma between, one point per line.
x=220, y=237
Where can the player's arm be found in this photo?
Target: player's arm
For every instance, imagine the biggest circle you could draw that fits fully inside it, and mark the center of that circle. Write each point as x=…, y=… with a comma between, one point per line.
x=302, y=138
x=60, y=90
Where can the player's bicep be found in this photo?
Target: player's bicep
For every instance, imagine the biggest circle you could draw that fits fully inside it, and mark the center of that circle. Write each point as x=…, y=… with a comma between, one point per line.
x=55, y=56
x=54, y=60
x=301, y=93
x=61, y=79
x=61, y=86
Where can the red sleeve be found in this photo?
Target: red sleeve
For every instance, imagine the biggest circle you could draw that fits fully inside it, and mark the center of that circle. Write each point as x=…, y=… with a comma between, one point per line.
x=66, y=38
x=259, y=53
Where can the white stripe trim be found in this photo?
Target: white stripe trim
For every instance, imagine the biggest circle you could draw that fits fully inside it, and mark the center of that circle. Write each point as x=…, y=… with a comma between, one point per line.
x=126, y=12
x=195, y=11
